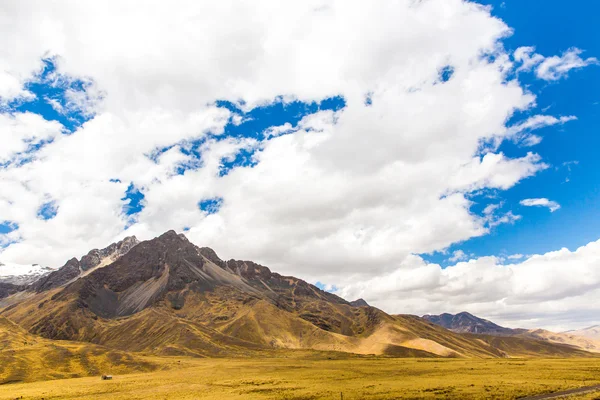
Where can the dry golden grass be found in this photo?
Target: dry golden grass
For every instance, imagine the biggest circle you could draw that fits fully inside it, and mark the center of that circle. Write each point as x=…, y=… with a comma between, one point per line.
x=26, y=358
x=313, y=376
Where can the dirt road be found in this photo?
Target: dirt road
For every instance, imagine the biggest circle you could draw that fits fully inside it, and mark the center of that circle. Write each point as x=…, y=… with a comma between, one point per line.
x=558, y=395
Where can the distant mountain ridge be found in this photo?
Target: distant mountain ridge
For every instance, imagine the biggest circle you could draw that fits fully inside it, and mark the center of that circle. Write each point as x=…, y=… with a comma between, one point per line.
x=18, y=274
x=468, y=323
x=592, y=332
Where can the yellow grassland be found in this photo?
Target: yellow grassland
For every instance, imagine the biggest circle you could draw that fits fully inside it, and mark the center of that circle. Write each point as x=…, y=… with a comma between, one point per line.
x=312, y=375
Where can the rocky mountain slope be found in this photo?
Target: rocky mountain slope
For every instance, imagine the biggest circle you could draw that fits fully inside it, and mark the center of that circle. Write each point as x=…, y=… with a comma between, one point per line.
x=8, y=289
x=168, y=296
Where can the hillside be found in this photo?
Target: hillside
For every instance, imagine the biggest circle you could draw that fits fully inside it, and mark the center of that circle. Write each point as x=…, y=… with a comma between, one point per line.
x=167, y=296
x=26, y=358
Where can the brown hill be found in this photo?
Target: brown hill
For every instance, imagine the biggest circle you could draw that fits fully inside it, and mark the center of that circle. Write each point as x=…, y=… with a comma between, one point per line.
x=168, y=296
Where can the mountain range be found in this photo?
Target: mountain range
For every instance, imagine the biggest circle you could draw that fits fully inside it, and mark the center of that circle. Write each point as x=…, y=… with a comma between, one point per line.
x=592, y=332
x=167, y=296
x=586, y=339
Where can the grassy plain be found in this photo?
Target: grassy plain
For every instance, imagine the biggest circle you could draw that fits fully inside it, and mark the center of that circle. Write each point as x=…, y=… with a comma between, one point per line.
x=315, y=376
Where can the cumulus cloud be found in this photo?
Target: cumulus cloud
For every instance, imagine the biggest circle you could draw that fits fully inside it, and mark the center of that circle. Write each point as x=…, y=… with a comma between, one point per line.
x=458, y=255
x=556, y=290
x=542, y=202
x=342, y=192
x=551, y=68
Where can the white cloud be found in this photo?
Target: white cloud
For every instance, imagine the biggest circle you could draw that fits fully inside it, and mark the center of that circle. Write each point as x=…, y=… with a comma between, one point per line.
x=458, y=255
x=554, y=68
x=527, y=57
x=543, y=202
x=21, y=131
x=556, y=290
x=551, y=68
x=521, y=132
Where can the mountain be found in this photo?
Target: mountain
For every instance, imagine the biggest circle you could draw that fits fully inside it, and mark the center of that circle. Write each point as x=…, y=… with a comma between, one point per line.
x=592, y=332
x=25, y=358
x=19, y=275
x=467, y=323
x=167, y=296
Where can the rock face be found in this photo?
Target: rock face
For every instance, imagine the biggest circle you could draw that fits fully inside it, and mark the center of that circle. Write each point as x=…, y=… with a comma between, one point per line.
x=467, y=323
x=75, y=268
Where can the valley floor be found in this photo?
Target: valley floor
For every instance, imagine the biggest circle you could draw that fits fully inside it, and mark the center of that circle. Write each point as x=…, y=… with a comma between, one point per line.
x=315, y=376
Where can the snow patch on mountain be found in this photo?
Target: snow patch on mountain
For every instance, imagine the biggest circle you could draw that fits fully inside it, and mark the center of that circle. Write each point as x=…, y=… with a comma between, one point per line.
x=22, y=274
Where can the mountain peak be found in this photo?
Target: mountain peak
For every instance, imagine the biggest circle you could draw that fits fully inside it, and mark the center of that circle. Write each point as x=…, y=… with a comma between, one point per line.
x=465, y=322
x=359, y=303
x=172, y=235
x=94, y=259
